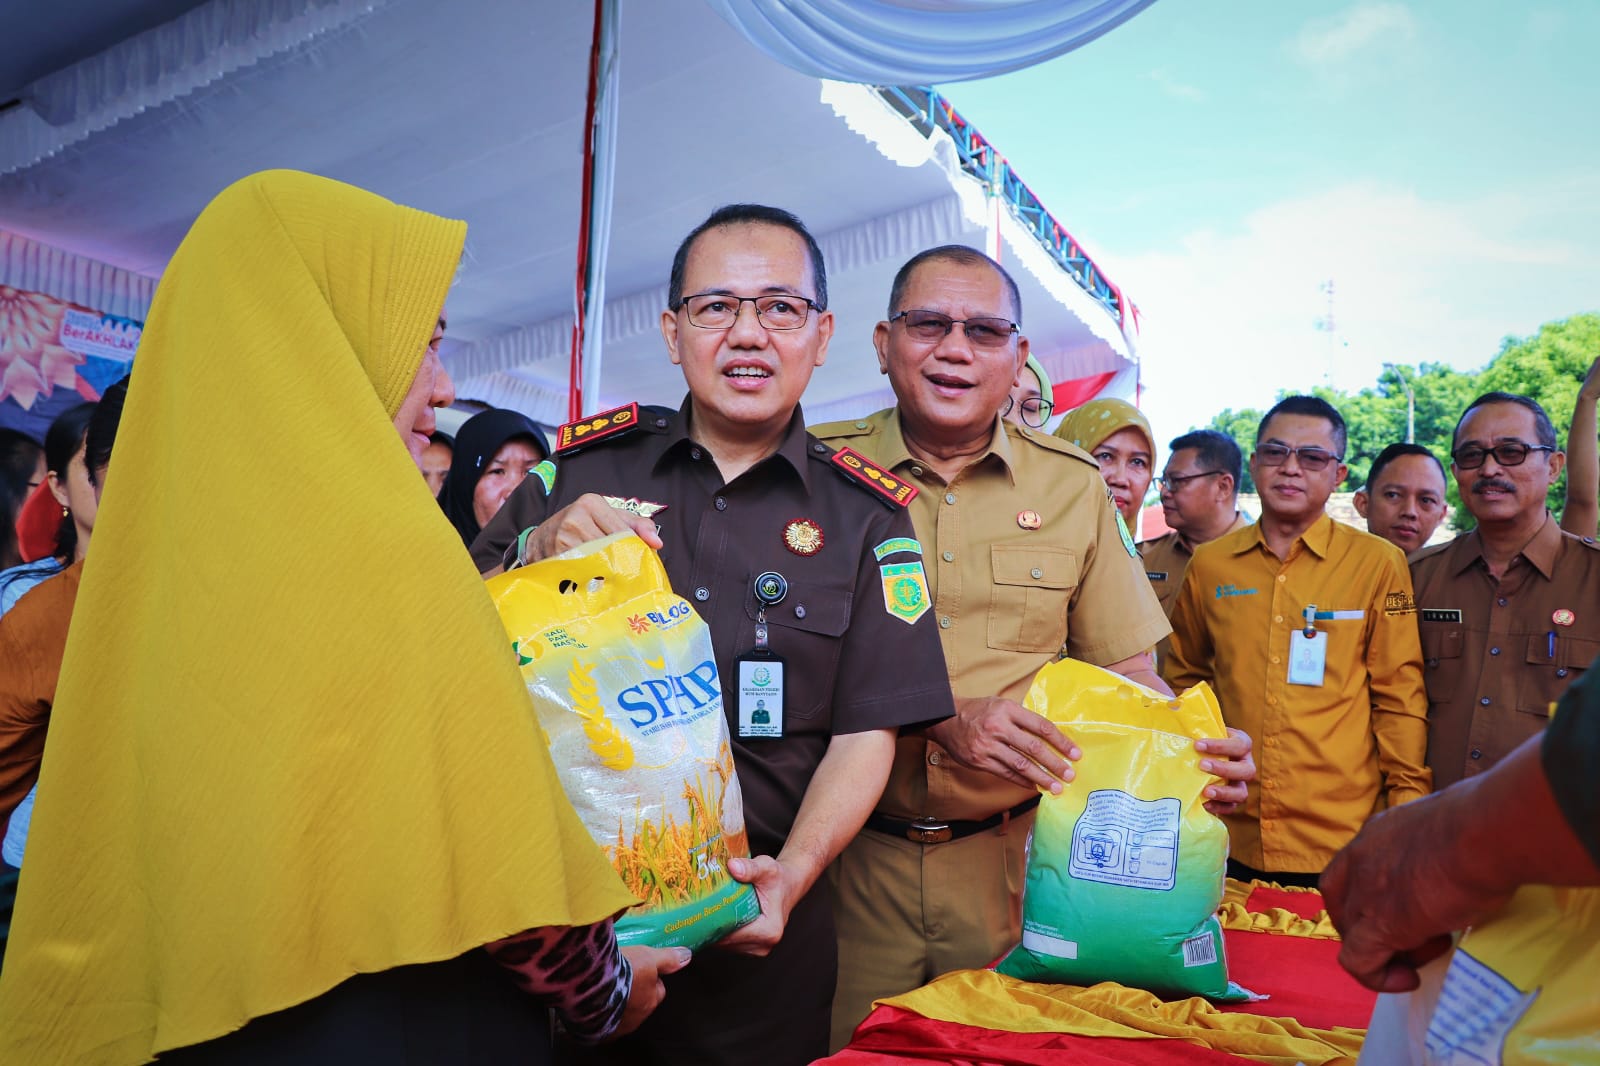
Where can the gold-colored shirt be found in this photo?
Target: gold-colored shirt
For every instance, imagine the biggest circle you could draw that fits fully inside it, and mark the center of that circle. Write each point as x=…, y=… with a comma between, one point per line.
x=1498, y=654
x=1166, y=560
x=1327, y=755
x=1026, y=561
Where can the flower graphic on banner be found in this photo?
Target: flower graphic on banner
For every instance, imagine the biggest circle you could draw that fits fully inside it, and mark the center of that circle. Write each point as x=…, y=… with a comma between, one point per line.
x=32, y=361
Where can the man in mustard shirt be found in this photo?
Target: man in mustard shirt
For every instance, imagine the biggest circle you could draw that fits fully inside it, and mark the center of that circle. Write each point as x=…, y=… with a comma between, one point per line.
x=1025, y=556
x=1307, y=630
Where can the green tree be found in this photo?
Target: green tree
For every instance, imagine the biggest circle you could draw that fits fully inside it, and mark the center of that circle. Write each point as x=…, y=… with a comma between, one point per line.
x=1241, y=426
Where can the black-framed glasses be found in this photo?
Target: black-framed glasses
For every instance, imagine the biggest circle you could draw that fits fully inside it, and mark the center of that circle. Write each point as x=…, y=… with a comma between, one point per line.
x=1178, y=481
x=984, y=331
x=1311, y=459
x=719, y=310
x=1034, y=410
x=1506, y=453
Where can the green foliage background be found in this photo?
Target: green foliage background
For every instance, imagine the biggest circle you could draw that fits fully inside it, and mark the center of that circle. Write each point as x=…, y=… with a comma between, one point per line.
x=1548, y=366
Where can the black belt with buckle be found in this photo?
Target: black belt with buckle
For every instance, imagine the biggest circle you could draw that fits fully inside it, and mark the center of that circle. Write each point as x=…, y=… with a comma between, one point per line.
x=934, y=831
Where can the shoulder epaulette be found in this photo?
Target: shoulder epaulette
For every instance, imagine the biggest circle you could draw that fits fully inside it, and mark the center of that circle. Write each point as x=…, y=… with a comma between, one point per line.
x=1051, y=442
x=847, y=428
x=859, y=469
x=603, y=426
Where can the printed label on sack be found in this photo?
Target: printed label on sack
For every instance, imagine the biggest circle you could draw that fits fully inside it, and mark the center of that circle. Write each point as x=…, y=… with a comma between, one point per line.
x=1200, y=950
x=1123, y=840
x=1477, y=1010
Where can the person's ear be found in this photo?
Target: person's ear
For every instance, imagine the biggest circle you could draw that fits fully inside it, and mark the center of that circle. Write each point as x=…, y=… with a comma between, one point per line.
x=1360, y=500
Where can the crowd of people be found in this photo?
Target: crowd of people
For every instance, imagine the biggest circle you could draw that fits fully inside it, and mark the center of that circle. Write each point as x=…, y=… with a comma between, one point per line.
x=283, y=799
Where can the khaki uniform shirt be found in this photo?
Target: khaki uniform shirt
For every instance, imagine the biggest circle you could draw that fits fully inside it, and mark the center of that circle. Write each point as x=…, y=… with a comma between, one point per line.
x=1027, y=561
x=1498, y=654
x=1326, y=755
x=1166, y=560
x=851, y=663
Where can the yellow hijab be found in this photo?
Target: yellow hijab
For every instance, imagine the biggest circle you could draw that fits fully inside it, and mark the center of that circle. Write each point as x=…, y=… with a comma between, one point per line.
x=1088, y=426
x=290, y=743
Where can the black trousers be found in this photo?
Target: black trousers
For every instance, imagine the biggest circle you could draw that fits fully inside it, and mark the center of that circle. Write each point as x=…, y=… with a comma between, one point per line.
x=1240, y=872
x=465, y=1010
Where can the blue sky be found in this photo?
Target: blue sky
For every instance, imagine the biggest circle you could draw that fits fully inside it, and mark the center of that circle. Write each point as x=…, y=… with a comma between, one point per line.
x=1438, y=160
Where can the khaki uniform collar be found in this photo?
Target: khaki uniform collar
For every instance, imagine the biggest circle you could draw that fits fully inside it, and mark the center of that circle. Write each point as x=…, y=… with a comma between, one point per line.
x=895, y=451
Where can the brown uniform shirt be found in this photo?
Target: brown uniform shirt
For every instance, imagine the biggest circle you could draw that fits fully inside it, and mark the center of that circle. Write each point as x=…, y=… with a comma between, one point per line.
x=1496, y=655
x=33, y=638
x=850, y=664
x=1026, y=562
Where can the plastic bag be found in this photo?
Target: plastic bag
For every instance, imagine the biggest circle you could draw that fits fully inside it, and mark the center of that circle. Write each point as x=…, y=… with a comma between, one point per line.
x=625, y=684
x=1125, y=867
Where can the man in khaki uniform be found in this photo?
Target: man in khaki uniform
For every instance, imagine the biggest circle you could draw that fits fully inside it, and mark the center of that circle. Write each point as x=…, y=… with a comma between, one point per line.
x=1200, y=501
x=1026, y=556
x=1510, y=612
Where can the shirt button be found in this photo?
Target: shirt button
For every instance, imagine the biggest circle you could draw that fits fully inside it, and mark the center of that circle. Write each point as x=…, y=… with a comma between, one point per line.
x=702, y=594
x=722, y=505
x=1492, y=651
x=1501, y=601
x=1484, y=702
x=1282, y=578
x=695, y=453
x=1561, y=672
x=944, y=623
x=661, y=423
x=949, y=497
x=1272, y=742
x=1275, y=659
x=1037, y=573
x=1277, y=618
x=1272, y=701
x=936, y=758
x=1267, y=783
x=1477, y=753
x=1266, y=823
x=799, y=610
x=1433, y=662
x=949, y=557
x=820, y=449
x=917, y=470
x=861, y=425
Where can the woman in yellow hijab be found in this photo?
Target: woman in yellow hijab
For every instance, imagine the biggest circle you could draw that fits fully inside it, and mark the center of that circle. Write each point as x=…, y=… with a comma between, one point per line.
x=275, y=786
x=1118, y=435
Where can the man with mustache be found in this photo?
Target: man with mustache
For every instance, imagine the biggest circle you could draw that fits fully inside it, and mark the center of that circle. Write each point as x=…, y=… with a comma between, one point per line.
x=1306, y=628
x=1509, y=612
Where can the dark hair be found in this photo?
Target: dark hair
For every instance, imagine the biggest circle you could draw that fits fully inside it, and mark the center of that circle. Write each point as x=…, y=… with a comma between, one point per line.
x=61, y=442
x=743, y=215
x=439, y=436
x=19, y=458
x=951, y=253
x=102, y=432
x=1395, y=451
x=1214, y=449
x=1542, y=427
x=1310, y=406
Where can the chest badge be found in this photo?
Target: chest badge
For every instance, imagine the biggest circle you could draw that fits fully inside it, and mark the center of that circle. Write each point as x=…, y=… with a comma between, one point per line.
x=1563, y=617
x=803, y=537
x=634, y=505
x=1029, y=519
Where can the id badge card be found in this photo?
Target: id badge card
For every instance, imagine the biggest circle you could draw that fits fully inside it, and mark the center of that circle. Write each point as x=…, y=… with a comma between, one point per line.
x=1308, y=657
x=760, y=697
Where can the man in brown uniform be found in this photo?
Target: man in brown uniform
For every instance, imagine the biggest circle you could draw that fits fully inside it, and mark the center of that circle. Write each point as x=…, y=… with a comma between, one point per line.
x=1200, y=501
x=1510, y=612
x=798, y=558
x=1028, y=557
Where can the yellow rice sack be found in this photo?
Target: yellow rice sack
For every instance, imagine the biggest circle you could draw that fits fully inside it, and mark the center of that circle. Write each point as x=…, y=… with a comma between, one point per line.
x=625, y=684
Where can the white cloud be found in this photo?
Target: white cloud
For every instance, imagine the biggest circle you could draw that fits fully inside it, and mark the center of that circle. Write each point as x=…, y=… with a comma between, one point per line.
x=1176, y=89
x=1328, y=42
x=1229, y=318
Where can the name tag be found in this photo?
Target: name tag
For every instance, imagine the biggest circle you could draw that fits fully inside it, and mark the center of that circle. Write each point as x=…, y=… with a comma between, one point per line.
x=1439, y=614
x=1156, y=575
x=1308, y=657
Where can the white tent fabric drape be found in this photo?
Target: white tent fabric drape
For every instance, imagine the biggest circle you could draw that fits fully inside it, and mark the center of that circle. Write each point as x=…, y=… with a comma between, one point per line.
x=34, y=267
x=921, y=42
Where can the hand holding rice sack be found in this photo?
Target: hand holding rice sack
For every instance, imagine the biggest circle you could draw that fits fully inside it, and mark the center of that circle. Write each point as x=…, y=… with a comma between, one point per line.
x=1126, y=866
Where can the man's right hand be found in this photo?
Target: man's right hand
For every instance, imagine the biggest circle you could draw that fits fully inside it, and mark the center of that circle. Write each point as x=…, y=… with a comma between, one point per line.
x=587, y=518
x=649, y=966
x=1004, y=738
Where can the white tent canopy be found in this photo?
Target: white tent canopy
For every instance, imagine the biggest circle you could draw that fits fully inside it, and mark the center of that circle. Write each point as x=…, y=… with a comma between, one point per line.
x=475, y=110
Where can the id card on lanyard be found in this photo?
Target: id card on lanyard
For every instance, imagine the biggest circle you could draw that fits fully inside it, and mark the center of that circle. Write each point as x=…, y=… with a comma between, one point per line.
x=1308, y=652
x=759, y=693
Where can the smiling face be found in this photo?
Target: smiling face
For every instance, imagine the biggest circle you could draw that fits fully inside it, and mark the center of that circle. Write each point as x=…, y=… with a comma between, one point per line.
x=746, y=379
x=1496, y=493
x=1125, y=464
x=1405, y=503
x=950, y=390
x=501, y=474
x=1291, y=493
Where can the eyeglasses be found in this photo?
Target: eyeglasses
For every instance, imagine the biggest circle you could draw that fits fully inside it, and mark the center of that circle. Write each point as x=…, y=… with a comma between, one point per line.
x=983, y=331
x=1311, y=459
x=1177, y=482
x=1035, y=410
x=718, y=310
x=1506, y=453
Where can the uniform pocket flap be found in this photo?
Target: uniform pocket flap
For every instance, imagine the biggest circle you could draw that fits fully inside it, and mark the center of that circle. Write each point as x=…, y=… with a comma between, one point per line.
x=811, y=608
x=1440, y=642
x=1034, y=567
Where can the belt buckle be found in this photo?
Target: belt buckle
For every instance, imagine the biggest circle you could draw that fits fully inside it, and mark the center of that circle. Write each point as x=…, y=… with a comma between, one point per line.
x=929, y=831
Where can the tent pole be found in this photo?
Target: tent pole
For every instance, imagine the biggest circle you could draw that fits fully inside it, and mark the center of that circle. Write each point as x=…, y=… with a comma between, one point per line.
x=575, y=398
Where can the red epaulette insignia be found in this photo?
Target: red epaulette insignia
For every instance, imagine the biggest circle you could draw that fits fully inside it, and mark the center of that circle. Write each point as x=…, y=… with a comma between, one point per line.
x=874, y=477
x=586, y=431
